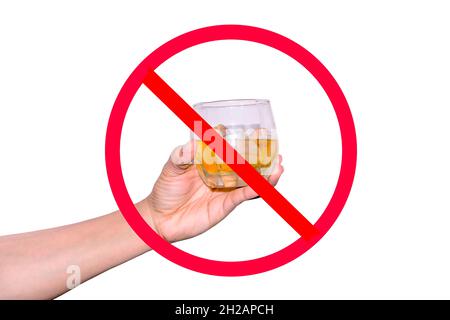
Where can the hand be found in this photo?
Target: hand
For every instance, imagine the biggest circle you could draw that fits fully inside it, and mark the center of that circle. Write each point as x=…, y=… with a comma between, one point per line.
x=34, y=265
x=181, y=206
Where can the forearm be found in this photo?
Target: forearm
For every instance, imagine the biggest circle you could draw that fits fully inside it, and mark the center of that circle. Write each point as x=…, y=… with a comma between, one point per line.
x=35, y=265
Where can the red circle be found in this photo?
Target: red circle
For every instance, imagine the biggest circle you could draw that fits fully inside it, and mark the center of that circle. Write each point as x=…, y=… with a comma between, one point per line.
x=215, y=33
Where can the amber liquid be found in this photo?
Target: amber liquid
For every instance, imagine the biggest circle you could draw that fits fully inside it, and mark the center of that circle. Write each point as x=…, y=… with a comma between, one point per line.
x=260, y=153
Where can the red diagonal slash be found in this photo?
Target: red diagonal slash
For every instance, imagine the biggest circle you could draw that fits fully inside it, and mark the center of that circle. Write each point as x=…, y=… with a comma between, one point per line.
x=265, y=190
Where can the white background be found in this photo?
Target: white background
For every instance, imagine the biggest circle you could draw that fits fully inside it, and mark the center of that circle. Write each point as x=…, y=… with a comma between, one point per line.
x=62, y=65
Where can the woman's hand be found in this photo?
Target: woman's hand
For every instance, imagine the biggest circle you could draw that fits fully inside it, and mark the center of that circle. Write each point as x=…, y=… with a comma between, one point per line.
x=39, y=264
x=181, y=206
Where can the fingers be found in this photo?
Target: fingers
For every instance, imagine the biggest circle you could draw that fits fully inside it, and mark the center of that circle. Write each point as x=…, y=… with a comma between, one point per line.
x=277, y=172
x=247, y=193
x=182, y=157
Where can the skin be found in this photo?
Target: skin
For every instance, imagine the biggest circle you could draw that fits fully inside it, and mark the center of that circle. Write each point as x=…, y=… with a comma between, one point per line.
x=34, y=265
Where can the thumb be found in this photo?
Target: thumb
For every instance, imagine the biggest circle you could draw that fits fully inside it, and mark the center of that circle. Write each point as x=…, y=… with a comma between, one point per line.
x=182, y=157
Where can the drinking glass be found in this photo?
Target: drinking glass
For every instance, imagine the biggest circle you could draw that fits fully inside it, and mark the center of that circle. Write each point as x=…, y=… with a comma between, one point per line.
x=249, y=127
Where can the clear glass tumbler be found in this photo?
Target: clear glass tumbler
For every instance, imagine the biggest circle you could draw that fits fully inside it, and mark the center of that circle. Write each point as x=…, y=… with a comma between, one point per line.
x=248, y=126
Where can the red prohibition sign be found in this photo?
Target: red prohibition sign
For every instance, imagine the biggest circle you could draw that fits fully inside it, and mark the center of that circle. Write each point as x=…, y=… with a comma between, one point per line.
x=145, y=74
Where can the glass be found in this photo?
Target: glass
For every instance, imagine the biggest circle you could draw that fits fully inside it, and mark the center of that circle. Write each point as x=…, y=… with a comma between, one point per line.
x=248, y=126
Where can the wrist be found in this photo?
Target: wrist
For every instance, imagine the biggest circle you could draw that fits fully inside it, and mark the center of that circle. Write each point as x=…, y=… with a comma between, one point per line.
x=147, y=213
